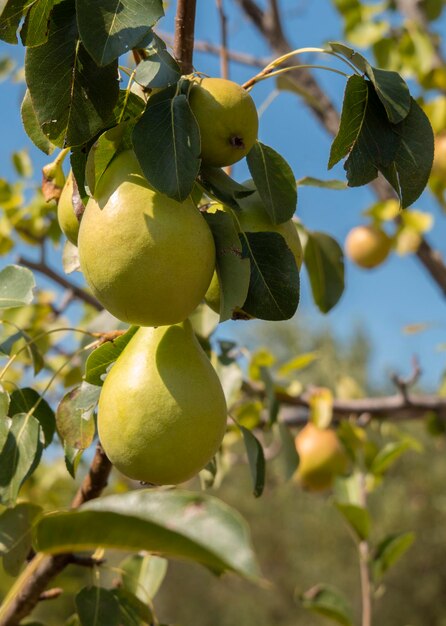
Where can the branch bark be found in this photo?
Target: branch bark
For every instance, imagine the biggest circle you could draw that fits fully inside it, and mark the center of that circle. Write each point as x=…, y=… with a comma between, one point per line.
x=184, y=34
x=31, y=584
x=326, y=113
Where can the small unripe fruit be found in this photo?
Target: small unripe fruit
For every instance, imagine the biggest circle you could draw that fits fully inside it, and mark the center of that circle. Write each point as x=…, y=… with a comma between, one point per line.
x=439, y=164
x=367, y=246
x=68, y=222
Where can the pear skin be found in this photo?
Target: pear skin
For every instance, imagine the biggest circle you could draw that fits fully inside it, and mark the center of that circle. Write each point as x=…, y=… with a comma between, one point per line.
x=147, y=258
x=162, y=412
x=68, y=222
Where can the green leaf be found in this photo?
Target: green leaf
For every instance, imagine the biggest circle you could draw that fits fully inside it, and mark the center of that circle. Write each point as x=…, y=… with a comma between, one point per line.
x=158, y=69
x=166, y=140
x=143, y=574
x=32, y=126
x=4, y=402
x=256, y=460
x=103, y=151
x=76, y=103
x=272, y=404
x=74, y=416
x=23, y=400
x=275, y=182
x=35, y=28
x=16, y=286
x=37, y=359
x=327, y=601
x=22, y=163
x=10, y=18
x=274, y=283
x=389, y=551
x=97, y=606
x=232, y=270
x=7, y=65
x=324, y=184
x=16, y=526
x=19, y=454
x=393, y=93
x=325, y=265
x=133, y=611
x=414, y=157
x=352, y=117
x=390, y=453
x=173, y=523
x=72, y=457
x=223, y=188
x=297, y=363
x=357, y=517
x=100, y=359
x=289, y=458
x=112, y=27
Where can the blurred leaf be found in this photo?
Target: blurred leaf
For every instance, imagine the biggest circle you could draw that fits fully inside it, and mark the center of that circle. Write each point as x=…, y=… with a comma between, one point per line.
x=22, y=163
x=297, y=363
x=274, y=286
x=389, y=551
x=7, y=346
x=288, y=453
x=23, y=400
x=4, y=402
x=357, y=517
x=32, y=126
x=204, y=321
x=272, y=403
x=70, y=258
x=143, y=575
x=256, y=460
x=324, y=261
x=20, y=452
x=72, y=457
x=16, y=526
x=166, y=140
x=16, y=286
x=324, y=184
x=384, y=210
x=133, y=611
x=275, y=182
x=6, y=66
x=174, y=523
x=232, y=270
x=321, y=407
x=74, y=416
x=419, y=221
x=97, y=606
x=100, y=359
x=390, y=453
x=327, y=601
x=260, y=359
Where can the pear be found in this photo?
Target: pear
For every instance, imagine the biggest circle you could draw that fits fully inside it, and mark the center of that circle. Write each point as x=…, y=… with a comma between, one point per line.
x=162, y=412
x=367, y=246
x=147, y=258
x=227, y=118
x=254, y=218
x=68, y=222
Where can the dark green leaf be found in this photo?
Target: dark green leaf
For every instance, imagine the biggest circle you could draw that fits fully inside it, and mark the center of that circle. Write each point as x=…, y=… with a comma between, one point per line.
x=74, y=416
x=72, y=458
x=327, y=601
x=166, y=140
x=270, y=392
x=159, y=69
x=413, y=159
x=354, y=57
x=222, y=187
x=389, y=551
x=232, y=270
x=113, y=27
x=20, y=452
x=173, y=523
x=256, y=460
x=352, y=117
x=23, y=400
x=274, y=282
x=15, y=535
x=133, y=611
x=78, y=162
x=100, y=359
x=10, y=17
x=76, y=103
x=35, y=29
x=393, y=93
x=324, y=184
x=324, y=261
x=288, y=453
x=16, y=286
x=275, y=182
x=357, y=517
x=97, y=606
x=143, y=575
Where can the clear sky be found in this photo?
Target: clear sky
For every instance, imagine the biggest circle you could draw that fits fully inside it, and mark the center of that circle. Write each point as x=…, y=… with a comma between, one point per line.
x=383, y=300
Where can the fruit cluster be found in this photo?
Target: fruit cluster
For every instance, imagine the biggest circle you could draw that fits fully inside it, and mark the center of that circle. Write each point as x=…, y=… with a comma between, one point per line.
x=150, y=260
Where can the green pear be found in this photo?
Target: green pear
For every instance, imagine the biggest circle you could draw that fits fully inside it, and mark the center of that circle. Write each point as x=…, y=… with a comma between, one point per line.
x=227, y=118
x=68, y=222
x=162, y=412
x=367, y=246
x=254, y=218
x=147, y=258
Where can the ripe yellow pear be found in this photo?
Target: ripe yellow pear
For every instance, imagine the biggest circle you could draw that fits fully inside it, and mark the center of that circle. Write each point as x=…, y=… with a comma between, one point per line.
x=439, y=164
x=321, y=457
x=68, y=222
x=227, y=118
x=162, y=412
x=147, y=258
x=367, y=246
x=254, y=218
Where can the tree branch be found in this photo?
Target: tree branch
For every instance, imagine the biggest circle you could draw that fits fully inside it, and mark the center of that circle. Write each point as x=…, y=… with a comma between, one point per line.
x=31, y=584
x=184, y=34
x=46, y=270
x=326, y=113
x=224, y=40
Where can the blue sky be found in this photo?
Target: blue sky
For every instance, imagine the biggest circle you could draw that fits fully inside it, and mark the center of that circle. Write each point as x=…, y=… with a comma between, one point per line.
x=383, y=300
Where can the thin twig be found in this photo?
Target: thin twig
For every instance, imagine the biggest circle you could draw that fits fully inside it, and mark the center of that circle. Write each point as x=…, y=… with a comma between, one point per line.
x=364, y=564
x=183, y=47
x=224, y=65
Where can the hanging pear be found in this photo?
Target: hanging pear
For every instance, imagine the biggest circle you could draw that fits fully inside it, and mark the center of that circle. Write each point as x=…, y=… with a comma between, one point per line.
x=68, y=222
x=162, y=412
x=147, y=258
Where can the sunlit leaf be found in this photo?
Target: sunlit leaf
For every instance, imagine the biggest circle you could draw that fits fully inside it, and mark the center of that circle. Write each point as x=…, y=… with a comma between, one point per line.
x=16, y=286
x=100, y=359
